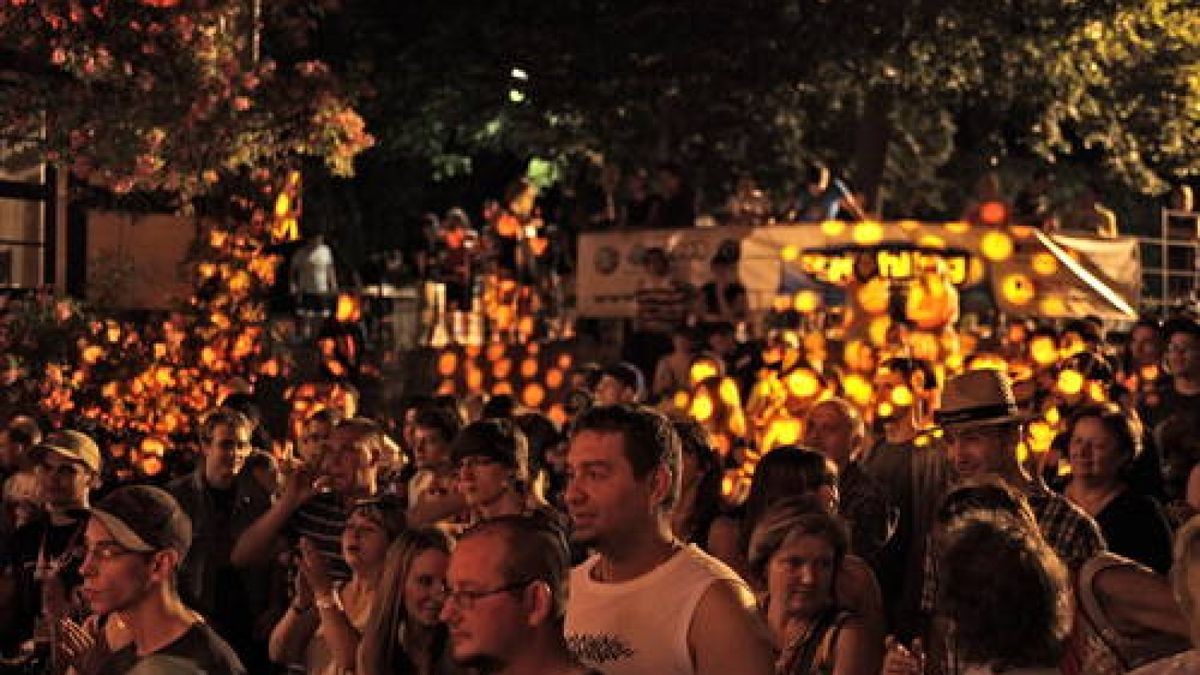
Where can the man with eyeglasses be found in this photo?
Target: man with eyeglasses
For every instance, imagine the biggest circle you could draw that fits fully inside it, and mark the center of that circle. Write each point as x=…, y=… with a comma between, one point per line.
x=135, y=540
x=44, y=556
x=220, y=507
x=506, y=599
x=1183, y=364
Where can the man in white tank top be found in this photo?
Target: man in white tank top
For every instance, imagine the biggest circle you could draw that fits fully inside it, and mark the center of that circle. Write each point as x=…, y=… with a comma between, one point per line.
x=644, y=602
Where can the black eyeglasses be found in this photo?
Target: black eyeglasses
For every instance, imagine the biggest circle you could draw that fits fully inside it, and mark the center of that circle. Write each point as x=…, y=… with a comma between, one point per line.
x=465, y=600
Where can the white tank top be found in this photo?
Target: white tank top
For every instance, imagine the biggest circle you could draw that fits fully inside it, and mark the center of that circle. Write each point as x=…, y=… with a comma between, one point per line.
x=640, y=627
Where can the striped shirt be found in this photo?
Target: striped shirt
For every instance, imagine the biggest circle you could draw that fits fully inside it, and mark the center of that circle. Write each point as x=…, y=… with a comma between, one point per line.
x=322, y=519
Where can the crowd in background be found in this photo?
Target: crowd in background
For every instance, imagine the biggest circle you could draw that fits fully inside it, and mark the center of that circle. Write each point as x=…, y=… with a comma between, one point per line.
x=926, y=531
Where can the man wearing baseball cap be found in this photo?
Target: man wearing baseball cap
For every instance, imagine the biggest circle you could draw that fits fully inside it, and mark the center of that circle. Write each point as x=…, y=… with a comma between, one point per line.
x=135, y=540
x=44, y=555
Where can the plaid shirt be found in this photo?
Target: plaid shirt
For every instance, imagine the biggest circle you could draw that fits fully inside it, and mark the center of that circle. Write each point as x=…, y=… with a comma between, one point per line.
x=1070, y=532
x=1073, y=535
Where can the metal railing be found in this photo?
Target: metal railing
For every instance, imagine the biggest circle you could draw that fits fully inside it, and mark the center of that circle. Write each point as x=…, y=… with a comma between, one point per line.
x=1171, y=263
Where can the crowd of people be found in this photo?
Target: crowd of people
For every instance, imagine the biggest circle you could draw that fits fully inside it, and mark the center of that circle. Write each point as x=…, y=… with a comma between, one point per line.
x=925, y=532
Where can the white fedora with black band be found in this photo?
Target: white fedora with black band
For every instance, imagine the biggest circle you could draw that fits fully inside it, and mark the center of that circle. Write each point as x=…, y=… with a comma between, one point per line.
x=978, y=398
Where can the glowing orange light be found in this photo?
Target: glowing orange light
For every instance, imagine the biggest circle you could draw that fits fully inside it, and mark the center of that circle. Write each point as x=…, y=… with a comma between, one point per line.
x=349, y=309
x=502, y=369
x=702, y=406
x=833, y=228
x=447, y=363
x=681, y=400
x=554, y=378
x=1043, y=350
x=533, y=395
x=702, y=369
x=1044, y=264
x=873, y=296
x=996, y=246
x=802, y=383
x=1018, y=289
x=1070, y=382
x=789, y=253
x=807, y=301
x=993, y=213
x=867, y=233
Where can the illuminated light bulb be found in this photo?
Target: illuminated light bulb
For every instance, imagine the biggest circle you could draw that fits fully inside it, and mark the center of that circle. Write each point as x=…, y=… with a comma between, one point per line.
x=873, y=296
x=806, y=302
x=283, y=204
x=802, y=383
x=502, y=369
x=1053, y=416
x=1041, y=436
x=349, y=309
x=529, y=369
x=92, y=354
x=1022, y=452
x=728, y=393
x=931, y=241
x=1149, y=373
x=702, y=407
x=867, y=233
x=1018, y=289
x=558, y=414
x=958, y=227
x=886, y=409
x=446, y=388
x=902, y=396
x=447, y=363
x=702, y=369
x=789, y=253
x=858, y=389
x=565, y=360
x=1070, y=382
x=877, y=330
x=554, y=378
x=474, y=380
x=1044, y=264
x=993, y=213
x=1043, y=350
x=727, y=483
x=533, y=395
x=502, y=389
x=988, y=362
x=1053, y=306
x=833, y=228
x=495, y=351
x=681, y=400
x=996, y=246
x=1097, y=392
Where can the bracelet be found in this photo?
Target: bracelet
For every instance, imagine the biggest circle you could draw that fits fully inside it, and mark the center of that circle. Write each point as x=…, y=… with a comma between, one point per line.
x=328, y=601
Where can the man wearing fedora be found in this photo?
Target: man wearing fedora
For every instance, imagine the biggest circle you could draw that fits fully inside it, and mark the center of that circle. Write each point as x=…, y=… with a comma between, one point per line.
x=982, y=425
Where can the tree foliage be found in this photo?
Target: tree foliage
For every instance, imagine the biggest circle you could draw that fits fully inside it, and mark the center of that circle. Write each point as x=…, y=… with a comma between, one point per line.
x=766, y=85
x=167, y=94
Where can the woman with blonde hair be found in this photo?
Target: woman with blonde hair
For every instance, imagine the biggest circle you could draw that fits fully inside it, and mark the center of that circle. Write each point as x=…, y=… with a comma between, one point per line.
x=403, y=634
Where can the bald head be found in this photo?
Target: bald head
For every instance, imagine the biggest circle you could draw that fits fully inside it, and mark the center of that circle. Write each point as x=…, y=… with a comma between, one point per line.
x=836, y=429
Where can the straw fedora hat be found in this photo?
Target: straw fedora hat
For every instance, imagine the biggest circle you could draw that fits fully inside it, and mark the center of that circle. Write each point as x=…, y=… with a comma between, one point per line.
x=978, y=398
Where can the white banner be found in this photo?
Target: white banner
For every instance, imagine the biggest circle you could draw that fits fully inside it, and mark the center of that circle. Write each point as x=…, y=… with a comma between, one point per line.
x=1054, y=281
